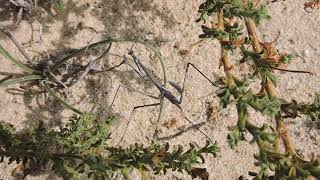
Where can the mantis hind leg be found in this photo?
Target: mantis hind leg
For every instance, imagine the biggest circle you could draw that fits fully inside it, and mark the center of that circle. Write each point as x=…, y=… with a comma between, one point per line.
x=134, y=109
x=181, y=89
x=129, y=120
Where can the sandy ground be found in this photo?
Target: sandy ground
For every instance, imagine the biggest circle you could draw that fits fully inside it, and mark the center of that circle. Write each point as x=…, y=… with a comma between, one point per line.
x=171, y=24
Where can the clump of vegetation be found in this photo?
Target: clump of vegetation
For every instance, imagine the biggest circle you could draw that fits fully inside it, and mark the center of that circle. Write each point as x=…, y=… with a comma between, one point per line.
x=229, y=20
x=48, y=76
x=80, y=150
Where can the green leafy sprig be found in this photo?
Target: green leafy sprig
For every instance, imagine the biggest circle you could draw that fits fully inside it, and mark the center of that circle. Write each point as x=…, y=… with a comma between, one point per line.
x=80, y=151
x=237, y=8
x=293, y=109
x=265, y=59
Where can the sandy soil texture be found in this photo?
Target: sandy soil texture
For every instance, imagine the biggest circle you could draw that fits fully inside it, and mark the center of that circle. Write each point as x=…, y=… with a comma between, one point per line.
x=172, y=28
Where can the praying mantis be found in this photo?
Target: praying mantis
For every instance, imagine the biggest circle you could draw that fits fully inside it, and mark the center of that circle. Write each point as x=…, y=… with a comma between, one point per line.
x=164, y=93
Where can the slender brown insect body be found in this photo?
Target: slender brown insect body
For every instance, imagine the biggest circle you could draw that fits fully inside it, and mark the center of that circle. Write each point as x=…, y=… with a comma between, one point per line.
x=164, y=93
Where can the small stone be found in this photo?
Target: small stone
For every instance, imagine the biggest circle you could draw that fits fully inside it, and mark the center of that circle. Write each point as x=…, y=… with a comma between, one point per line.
x=53, y=10
x=306, y=53
x=291, y=41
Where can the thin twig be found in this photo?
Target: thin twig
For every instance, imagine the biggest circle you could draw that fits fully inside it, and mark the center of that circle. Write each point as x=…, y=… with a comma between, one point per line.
x=16, y=43
x=304, y=60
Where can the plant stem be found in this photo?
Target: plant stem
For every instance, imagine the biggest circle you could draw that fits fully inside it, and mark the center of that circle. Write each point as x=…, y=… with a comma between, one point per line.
x=224, y=52
x=282, y=130
x=281, y=126
x=252, y=33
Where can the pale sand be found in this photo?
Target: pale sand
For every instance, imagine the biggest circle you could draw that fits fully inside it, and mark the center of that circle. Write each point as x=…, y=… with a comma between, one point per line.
x=172, y=24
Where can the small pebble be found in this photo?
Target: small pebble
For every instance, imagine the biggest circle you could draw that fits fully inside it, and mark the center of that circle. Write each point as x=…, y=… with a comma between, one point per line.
x=53, y=10
x=306, y=53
